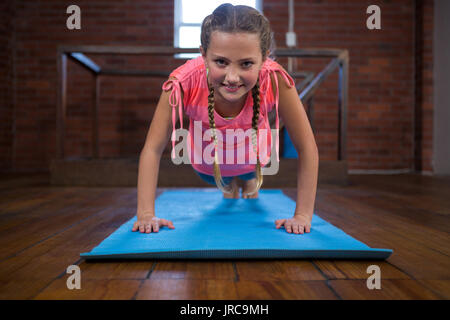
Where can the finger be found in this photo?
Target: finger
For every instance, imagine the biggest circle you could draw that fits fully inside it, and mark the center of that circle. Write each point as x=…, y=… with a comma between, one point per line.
x=141, y=228
x=279, y=223
x=135, y=226
x=308, y=228
x=296, y=228
x=155, y=226
x=169, y=224
x=302, y=228
x=148, y=228
x=288, y=227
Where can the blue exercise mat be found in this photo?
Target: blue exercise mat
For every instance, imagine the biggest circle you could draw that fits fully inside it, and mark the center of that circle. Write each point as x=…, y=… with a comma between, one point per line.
x=207, y=226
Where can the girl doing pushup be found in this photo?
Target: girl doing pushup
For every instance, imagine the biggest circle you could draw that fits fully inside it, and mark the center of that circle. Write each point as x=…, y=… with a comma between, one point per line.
x=233, y=85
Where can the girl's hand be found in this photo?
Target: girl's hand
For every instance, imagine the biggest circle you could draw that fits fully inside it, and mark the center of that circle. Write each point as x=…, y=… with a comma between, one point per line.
x=147, y=223
x=298, y=224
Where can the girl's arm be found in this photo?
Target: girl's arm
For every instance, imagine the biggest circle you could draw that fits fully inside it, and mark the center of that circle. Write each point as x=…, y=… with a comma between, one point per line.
x=155, y=143
x=157, y=138
x=294, y=117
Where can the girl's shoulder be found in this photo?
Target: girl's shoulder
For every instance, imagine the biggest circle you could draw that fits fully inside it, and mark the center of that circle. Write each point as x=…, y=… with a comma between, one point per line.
x=272, y=73
x=271, y=64
x=190, y=69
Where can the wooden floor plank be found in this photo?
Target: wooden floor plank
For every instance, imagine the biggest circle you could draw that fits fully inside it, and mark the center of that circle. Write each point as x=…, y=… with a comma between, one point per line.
x=405, y=207
x=199, y=270
x=116, y=269
x=187, y=289
x=46, y=260
x=27, y=229
x=274, y=270
x=391, y=289
x=407, y=184
x=426, y=249
x=429, y=204
x=94, y=289
x=329, y=269
x=225, y=289
x=357, y=269
x=376, y=212
x=439, y=287
x=429, y=229
x=17, y=181
x=411, y=257
x=284, y=290
x=28, y=200
x=428, y=193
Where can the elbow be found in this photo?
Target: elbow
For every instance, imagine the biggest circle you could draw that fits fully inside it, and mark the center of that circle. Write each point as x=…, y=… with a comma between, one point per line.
x=144, y=153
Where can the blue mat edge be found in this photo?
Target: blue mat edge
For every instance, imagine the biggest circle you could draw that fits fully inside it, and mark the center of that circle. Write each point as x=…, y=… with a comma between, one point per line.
x=373, y=253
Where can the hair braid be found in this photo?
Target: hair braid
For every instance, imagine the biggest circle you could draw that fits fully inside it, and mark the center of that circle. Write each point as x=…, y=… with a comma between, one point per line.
x=217, y=175
x=256, y=107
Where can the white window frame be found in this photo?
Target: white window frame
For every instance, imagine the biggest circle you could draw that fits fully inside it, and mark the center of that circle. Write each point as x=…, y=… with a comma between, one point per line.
x=178, y=23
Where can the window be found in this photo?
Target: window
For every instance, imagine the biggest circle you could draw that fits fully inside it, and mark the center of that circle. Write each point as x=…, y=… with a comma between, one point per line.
x=189, y=15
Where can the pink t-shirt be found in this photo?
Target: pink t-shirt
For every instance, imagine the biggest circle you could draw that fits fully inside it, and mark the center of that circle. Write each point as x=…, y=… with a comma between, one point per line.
x=235, y=148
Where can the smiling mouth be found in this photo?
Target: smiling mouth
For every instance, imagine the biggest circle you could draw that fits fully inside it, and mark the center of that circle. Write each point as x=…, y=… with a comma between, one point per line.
x=232, y=88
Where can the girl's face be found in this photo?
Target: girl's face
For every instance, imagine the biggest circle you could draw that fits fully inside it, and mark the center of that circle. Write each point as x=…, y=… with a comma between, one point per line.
x=234, y=61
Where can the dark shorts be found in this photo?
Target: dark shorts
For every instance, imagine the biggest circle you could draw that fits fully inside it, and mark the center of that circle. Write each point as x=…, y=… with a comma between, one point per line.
x=227, y=180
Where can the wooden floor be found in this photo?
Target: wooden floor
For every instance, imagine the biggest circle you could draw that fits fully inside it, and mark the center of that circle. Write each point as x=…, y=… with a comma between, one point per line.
x=43, y=229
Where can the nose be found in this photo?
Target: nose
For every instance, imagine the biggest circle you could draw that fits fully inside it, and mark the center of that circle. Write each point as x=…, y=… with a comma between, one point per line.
x=232, y=76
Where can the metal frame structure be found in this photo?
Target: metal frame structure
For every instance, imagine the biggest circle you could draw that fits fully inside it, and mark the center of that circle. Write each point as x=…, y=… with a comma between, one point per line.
x=307, y=87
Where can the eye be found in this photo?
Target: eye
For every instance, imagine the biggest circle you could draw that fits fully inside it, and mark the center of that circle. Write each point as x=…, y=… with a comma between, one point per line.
x=247, y=64
x=220, y=62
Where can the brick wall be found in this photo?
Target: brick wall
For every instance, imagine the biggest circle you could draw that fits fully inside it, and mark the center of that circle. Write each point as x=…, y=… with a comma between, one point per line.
x=424, y=83
x=381, y=83
x=382, y=100
x=6, y=85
